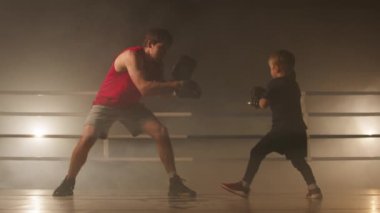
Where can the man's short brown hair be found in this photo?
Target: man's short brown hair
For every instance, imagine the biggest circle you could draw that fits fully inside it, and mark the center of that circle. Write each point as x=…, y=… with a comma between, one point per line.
x=158, y=35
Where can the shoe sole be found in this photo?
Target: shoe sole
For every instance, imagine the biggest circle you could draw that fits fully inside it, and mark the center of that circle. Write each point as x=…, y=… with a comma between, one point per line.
x=183, y=195
x=63, y=195
x=243, y=195
x=315, y=197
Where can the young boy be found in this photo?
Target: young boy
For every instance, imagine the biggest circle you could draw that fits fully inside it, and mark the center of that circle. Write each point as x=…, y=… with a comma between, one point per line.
x=288, y=133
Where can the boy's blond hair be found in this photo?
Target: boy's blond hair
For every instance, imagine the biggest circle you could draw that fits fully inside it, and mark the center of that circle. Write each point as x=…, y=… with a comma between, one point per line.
x=284, y=59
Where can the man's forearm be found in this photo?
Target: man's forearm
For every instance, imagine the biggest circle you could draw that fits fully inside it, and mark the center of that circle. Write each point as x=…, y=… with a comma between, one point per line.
x=160, y=88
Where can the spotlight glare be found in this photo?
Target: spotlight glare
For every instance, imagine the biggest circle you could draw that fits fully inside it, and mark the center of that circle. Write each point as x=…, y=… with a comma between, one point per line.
x=39, y=133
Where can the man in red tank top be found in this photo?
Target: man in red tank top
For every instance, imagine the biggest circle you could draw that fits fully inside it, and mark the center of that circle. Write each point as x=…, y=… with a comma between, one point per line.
x=136, y=72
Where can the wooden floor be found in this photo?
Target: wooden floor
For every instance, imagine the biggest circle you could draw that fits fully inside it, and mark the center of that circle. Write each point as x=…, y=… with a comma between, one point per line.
x=40, y=201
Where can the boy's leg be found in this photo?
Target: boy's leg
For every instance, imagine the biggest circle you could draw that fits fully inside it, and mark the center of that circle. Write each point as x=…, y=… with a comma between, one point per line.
x=304, y=168
x=257, y=154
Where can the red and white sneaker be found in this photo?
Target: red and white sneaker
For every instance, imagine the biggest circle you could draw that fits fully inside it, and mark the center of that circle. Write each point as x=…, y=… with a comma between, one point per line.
x=314, y=193
x=236, y=188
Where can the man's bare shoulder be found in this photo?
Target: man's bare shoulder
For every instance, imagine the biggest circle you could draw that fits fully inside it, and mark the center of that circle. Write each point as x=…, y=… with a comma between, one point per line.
x=129, y=58
x=124, y=58
x=130, y=55
x=127, y=53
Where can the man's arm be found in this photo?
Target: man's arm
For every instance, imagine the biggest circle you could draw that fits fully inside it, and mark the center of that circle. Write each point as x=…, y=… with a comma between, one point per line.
x=132, y=62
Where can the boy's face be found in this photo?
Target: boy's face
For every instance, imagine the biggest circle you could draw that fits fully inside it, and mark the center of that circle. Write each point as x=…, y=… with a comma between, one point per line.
x=273, y=68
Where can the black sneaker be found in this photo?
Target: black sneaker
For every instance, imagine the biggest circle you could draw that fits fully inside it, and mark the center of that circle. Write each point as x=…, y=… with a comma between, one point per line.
x=314, y=193
x=236, y=188
x=177, y=188
x=65, y=189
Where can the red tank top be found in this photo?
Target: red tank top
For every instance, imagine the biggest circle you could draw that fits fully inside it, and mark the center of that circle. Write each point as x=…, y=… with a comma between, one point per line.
x=118, y=89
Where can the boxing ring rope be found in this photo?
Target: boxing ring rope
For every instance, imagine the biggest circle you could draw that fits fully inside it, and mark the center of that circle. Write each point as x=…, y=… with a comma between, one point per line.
x=106, y=156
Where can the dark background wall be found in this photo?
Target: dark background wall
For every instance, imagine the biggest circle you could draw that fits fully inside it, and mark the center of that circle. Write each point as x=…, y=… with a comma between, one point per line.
x=60, y=45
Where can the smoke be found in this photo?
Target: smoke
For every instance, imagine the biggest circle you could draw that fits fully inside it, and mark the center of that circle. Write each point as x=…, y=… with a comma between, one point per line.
x=69, y=45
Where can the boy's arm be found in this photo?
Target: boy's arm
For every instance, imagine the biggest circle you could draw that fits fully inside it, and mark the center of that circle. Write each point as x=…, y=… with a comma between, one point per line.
x=263, y=103
x=258, y=97
x=264, y=100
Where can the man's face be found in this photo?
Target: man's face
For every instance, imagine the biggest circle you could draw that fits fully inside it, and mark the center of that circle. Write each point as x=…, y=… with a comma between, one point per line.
x=158, y=50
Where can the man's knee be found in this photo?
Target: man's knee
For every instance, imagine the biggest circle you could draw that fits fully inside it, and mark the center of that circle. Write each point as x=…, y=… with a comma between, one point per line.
x=88, y=137
x=159, y=131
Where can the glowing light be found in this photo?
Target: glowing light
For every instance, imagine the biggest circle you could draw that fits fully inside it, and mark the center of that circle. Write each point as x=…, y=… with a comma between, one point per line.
x=370, y=132
x=39, y=132
x=367, y=126
x=35, y=205
x=374, y=205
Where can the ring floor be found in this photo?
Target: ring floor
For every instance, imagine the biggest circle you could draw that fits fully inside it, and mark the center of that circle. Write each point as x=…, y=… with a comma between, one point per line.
x=41, y=201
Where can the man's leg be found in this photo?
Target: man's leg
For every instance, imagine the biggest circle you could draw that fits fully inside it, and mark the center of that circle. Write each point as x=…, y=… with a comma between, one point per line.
x=81, y=150
x=160, y=134
x=78, y=158
x=303, y=167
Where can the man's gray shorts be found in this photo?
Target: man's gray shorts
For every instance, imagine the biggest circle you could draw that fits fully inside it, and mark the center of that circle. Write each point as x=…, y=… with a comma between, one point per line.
x=133, y=118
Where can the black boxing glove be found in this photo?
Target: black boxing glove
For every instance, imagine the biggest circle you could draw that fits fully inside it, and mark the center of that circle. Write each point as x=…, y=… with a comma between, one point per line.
x=189, y=89
x=256, y=94
x=259, y=92
x=184, y=68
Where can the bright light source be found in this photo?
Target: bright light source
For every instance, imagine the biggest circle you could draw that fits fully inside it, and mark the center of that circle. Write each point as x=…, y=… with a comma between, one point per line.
x=374, y=205
x=38, y=132
x=367, y=126
x=36, y=204
x=39, y=128
x=370, y=131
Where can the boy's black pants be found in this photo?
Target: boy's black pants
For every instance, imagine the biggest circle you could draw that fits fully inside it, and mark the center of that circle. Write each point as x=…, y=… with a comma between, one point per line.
x=292, y=144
